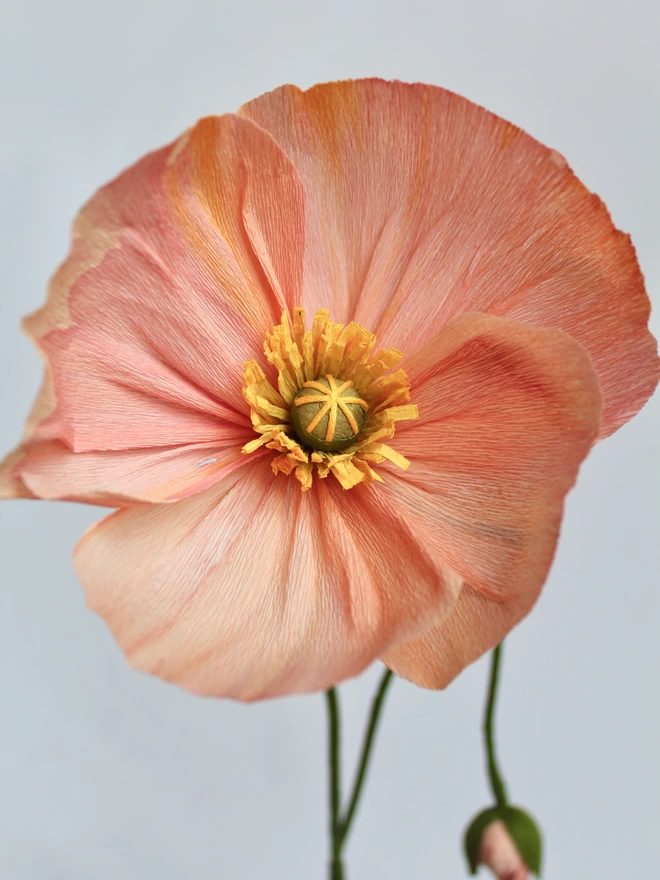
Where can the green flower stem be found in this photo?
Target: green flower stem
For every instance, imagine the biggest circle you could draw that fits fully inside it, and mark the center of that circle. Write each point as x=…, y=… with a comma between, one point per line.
x=496, y=782
x=340, y=824
x=336, y=869
x=334, y=766
x=374, y=718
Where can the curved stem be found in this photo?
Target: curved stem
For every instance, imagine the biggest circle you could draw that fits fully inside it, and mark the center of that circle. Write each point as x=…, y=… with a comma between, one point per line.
x=376, y=707
x=334, y=762
x=496, y=781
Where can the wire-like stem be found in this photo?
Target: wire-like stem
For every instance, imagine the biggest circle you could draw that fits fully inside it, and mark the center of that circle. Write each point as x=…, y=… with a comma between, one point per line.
x=496, y=781
x=340, y=824
x=374, y=718
x=334, y=767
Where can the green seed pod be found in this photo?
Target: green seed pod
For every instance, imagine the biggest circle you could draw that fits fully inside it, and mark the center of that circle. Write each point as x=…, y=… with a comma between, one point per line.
x=328, y=414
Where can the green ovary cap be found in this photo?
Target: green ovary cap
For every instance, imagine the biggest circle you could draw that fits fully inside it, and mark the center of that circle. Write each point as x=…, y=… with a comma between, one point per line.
x=328, y=414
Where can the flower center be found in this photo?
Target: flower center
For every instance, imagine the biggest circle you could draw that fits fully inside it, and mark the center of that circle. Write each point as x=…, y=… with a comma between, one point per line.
x=330, y=403
x=328, y=414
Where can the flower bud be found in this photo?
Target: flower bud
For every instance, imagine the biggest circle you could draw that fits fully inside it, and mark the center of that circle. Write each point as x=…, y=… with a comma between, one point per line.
x=506, y=840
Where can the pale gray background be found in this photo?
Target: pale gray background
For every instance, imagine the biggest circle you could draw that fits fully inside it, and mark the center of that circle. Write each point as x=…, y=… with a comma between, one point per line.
x=110, y=775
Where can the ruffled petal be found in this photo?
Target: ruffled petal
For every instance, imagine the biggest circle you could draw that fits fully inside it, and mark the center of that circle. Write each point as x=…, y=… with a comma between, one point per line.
x=507, y=414
x=177, y=270
x=49, y=470
x=475, y=625
x=422, y=205
x=255, y=589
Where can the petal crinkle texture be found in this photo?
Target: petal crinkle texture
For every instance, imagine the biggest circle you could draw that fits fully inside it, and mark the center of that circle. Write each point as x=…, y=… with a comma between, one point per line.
x=177, y=270
x=124, y=478
x=507, y=414
x=422, y=205
x=255, y=589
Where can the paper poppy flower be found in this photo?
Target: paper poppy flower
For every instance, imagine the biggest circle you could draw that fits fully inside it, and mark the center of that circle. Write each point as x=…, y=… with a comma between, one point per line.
x=336, y=360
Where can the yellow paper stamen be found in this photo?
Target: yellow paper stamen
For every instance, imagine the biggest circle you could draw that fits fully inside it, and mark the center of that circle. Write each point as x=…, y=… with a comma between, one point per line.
x=329, y=361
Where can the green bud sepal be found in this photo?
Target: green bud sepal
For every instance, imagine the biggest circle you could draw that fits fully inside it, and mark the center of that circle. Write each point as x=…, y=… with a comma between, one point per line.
x=523, y=830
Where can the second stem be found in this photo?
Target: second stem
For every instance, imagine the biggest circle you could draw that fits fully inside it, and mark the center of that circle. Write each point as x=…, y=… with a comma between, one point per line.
x=341, y=823
x=496, y=781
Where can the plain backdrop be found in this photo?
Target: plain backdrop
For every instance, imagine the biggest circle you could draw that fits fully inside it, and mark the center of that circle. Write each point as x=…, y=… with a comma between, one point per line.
x=106, y=774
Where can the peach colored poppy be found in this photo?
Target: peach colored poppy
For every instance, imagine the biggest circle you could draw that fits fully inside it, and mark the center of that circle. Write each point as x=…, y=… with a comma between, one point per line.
x=236, y=281
x=499, y=853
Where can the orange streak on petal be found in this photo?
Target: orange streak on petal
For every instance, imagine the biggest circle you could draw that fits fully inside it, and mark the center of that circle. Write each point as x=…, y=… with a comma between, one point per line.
x=238, y=200
x=422, y=205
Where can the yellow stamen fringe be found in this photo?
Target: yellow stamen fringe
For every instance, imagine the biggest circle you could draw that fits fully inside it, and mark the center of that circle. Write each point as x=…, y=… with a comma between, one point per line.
x=301, y=356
